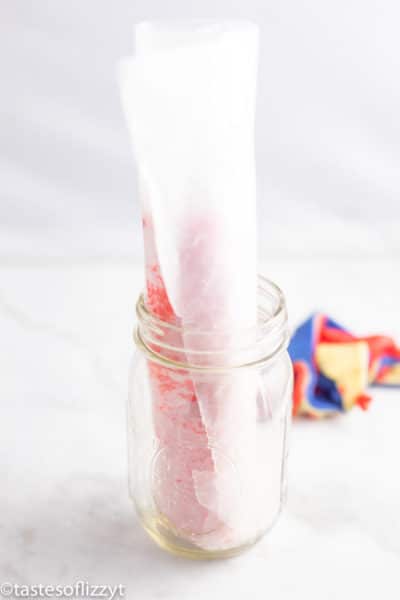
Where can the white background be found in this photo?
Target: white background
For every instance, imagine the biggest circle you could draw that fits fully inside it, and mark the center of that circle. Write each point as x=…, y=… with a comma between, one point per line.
x=328, y=150
x=328, y=125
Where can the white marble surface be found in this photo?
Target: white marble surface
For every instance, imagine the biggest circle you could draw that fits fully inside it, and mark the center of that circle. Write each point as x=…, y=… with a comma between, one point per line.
x=65, y=514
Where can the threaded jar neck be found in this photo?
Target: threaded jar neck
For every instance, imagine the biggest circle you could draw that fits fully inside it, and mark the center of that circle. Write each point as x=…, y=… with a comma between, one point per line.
x=217, y=349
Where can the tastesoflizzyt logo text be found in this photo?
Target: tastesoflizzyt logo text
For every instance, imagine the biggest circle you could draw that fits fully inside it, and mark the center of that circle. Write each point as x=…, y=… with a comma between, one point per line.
x=79, y=589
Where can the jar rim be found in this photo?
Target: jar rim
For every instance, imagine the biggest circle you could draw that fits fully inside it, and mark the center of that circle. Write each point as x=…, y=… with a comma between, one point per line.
x=143, y=314
x=275, y=322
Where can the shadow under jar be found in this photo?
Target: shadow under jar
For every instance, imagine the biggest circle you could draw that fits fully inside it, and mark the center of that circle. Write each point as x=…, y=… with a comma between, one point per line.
x=208, y=419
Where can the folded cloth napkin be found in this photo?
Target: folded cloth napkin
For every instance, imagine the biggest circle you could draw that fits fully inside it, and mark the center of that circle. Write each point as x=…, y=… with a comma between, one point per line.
x=332, y=367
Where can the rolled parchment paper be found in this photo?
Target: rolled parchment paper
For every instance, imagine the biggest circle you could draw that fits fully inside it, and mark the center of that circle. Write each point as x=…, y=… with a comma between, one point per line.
x=189, y=98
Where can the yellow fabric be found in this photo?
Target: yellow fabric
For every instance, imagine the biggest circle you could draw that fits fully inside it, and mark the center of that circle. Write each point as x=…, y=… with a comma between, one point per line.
x=392, y=377
x=347, y=365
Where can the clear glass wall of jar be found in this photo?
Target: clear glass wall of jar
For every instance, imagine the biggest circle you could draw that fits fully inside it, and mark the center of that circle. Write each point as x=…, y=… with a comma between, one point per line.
x=208, y=418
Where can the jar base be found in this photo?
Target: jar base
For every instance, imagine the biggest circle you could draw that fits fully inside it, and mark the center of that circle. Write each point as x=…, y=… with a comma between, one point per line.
x=158, y=530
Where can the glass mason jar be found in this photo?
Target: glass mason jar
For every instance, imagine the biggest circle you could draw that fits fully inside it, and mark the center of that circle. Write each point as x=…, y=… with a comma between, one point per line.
x=208, y=418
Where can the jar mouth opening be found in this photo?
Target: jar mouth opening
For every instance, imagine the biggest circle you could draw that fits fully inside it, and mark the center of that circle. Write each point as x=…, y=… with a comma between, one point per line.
x=265, y=318
x=217, y=349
